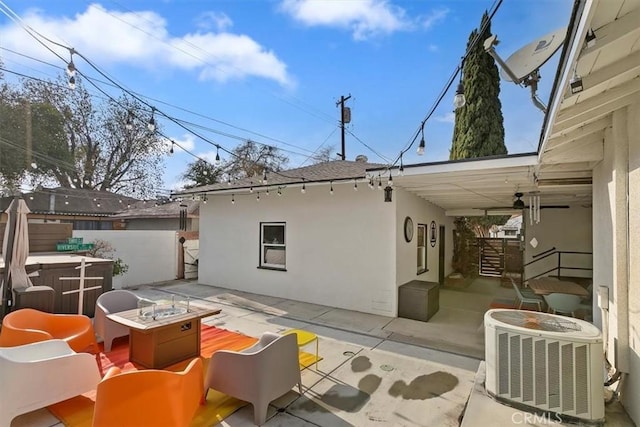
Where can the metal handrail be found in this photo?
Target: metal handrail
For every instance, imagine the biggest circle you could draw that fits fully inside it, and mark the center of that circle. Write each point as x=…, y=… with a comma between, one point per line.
x=559, y=266
x=543, y=252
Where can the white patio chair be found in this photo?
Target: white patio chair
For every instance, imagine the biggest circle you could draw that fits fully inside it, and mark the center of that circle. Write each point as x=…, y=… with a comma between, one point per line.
x=40, y=374
x=526, y=297
x=258, y=374
x=563, y=303
x=113, y=302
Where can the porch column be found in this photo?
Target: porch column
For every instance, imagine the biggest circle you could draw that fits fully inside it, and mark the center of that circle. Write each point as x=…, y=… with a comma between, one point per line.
x=619, y=310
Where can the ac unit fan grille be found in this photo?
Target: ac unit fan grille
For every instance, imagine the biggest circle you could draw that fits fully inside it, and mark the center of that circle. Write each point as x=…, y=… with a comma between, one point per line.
x=548, y=374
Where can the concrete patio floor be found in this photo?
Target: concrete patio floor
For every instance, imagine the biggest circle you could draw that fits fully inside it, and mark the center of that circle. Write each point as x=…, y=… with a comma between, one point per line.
x=375, y=370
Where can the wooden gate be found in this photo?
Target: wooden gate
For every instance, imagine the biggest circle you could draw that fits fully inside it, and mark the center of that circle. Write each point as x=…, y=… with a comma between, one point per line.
x=499, y=256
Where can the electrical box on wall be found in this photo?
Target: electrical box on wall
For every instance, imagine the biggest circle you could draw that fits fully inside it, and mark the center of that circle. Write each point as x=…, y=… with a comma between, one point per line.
x=603, y=297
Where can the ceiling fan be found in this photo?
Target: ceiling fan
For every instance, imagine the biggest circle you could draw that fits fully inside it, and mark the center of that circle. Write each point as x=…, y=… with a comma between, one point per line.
x=519, y=204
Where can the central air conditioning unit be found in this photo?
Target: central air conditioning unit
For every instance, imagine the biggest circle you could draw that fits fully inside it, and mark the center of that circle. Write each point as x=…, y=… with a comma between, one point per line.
x=546, y=363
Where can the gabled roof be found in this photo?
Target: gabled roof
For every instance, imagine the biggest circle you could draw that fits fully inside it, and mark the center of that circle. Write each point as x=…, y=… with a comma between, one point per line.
x=149, y=209
x=336, y=170
x=72, y=201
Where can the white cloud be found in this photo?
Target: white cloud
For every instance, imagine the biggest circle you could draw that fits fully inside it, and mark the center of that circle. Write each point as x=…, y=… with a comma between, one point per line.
x=433, y=48
x=216, y=20
x=141, y=38
x=447, y=118
x=365, y=18
x=435, y=17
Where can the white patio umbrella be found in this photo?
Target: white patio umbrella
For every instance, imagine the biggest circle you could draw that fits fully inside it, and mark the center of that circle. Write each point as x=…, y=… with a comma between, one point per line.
x=15, y=255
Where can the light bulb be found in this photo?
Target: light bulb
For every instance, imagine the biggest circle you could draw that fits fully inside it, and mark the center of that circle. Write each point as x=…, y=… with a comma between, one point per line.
x=128, y=124
x=459, y=100
x=152, y=124
x=331, y=189
x=233, y=199
x=71, y=69
x=217, y=159
x=390, y=182
x=171, y=149
x=420, y=149
x=303, y=189
x=72, y=82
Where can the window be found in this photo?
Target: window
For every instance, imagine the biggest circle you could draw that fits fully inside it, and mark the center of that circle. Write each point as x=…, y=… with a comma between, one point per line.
x=272, y=245
x=422, y=248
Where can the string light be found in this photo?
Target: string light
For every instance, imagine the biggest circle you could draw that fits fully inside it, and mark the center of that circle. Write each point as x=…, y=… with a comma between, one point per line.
x=264, y=177
x=420, y=149
x=128, y=124
x=217, y=161
x=71, y=68
x=152, y=121
x=258, y=197
x=459, y=100
x=72, y=82
x=401, y=170
x=304, y=187
x=279, y=192
x=355, y=185
x=331, y=189
x=267, y=192
x=251, y=187
x=371, y=186
x=379, y=182
x=171, y=149
x=390, y=181
x=233, y=199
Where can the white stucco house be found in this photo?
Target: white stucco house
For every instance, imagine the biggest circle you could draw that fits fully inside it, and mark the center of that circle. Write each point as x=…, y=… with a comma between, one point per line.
x=321, y=234
x=348, y=249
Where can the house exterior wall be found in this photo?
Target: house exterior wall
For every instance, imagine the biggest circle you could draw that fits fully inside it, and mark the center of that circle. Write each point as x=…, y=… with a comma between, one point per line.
x=340, y=248
x=616, y=231
x=421, y=212
x=564, y=229
x=151, y=255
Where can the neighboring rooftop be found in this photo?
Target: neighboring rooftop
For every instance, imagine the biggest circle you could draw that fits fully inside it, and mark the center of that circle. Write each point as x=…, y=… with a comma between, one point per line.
x=153, y=209
x=336, y=170
x=72, y=201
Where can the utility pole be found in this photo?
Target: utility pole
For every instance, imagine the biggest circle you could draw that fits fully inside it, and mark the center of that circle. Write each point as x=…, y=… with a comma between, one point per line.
x=345, y=117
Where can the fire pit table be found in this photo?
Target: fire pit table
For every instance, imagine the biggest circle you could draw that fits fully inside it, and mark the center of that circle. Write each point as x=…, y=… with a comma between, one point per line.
x=163, y=334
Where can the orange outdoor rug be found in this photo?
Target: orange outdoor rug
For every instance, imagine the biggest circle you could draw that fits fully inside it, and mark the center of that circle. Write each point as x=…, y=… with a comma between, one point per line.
x=78, y=411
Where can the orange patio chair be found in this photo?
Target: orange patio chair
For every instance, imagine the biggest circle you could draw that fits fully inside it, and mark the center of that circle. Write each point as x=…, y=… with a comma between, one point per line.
x=26, y=326
x=149, y=397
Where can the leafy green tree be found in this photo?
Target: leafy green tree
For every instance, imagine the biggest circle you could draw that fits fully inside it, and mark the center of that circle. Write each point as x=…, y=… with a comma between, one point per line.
x=201, y=172
x=479, y=128
x=252, y=159
x=31, y=139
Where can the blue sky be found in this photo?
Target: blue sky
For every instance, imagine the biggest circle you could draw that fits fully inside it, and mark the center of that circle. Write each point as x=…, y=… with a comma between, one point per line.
x=275, y=69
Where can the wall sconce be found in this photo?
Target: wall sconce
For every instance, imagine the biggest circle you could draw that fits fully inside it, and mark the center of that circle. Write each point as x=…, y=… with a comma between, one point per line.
x=576, y=83
x=387, y=193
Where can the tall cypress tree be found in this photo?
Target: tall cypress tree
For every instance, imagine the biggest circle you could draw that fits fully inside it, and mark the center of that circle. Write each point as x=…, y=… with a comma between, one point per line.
x=478, y=132
x=479, y=129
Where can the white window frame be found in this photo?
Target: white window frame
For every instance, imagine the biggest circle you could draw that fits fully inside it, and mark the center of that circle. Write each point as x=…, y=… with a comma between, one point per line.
x=421, y=249
x=265, y=245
